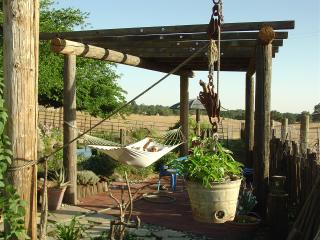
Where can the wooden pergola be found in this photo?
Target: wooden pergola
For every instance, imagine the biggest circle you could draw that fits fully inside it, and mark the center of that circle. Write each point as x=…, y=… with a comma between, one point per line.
x=246, y=47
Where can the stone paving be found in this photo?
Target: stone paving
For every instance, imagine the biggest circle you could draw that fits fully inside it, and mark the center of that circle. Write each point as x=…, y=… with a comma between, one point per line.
x=96, y=223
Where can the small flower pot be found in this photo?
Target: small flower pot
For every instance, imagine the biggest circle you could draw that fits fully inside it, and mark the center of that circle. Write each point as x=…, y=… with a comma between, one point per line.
x=55, y=196
x=245, y=226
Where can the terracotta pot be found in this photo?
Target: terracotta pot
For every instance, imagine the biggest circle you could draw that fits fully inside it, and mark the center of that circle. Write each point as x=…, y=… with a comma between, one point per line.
x=55, y=196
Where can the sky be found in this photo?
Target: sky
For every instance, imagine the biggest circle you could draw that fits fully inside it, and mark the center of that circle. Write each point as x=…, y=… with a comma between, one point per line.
x=295, y=70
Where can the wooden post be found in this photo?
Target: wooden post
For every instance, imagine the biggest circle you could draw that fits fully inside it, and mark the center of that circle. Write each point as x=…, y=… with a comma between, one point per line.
x=262, y=116
x=122, y=136
x=304, y=133
x=21, y=40
x=249, y=122
x=184, y=111
x=198, y=121
x=69, y=132
x=284, y=129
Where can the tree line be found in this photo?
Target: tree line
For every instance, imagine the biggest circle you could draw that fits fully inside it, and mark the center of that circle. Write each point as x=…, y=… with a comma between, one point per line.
x=238, y=114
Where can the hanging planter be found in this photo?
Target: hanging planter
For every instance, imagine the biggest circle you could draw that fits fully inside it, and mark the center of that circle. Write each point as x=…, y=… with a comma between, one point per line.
x=213, y=181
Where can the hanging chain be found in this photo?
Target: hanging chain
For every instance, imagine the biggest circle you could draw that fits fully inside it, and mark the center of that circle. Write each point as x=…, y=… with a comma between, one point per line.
x=208, y=97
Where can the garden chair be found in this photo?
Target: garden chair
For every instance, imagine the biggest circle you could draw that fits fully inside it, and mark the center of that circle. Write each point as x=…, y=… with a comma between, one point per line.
x=172, y=172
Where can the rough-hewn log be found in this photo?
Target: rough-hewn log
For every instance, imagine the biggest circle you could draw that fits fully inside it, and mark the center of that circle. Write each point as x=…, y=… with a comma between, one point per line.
x=304, y=133
x=184, y=111
x=249, y=121
x=244, y=26
x=88, y=51
x=21, y=40
x=262, y=116
x=69, y=131
x=284, y=129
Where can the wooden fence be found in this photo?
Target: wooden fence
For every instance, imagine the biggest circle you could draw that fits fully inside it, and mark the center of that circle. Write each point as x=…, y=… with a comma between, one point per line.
x=301, y=170
x=228, y=128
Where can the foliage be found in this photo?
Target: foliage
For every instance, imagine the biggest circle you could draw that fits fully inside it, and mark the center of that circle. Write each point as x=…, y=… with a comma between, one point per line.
x=73, y=231
x=316, y=113
x=50, y=138
x=100, y=164
x=246, y=202
x=97, y=89
x=166, y=160
x=209, y=163
x=138, y=134
x=87, y=177
x=11, y=206
x=59, y=178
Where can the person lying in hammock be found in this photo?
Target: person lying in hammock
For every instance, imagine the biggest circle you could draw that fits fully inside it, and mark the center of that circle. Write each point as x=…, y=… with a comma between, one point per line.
x=151, y=148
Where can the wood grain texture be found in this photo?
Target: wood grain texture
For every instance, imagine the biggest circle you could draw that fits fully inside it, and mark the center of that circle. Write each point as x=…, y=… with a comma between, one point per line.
x=262, y=123
x=249, y=119
x=69, y=132
x=201, y=28
x=21, y=40
x=184, y=111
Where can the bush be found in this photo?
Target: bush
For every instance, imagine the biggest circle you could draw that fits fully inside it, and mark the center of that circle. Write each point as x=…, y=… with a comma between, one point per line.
x=87, y=177
x=100, y=164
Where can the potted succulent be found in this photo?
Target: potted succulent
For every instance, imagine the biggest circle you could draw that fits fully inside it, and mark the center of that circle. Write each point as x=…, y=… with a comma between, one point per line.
x=56, y=191
x=213, y=181
x=246, y=221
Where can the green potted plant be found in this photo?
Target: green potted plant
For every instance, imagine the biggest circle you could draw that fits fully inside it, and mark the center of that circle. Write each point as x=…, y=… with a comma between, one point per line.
x=57, y=190
x=213, y=181
x=246, y=221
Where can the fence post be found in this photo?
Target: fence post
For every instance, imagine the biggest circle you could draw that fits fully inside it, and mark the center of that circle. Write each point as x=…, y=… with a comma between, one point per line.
x=304, y=133
x=284, y=129
x=122, y=136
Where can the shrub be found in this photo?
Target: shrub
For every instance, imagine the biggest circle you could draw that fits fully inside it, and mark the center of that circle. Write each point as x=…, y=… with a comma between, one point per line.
x=100, y=164
x=73, y=231
x=87, y=177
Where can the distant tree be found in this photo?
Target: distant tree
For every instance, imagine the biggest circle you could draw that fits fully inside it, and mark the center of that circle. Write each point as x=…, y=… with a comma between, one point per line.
x=97, y=89
x=316, y=113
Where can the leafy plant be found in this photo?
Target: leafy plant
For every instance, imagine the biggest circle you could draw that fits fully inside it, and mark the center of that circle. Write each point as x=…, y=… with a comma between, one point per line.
x=59, y=178
x=209, y=163
x=12, y=208
x=87, y=177
x=247, y=201
x=73, y=231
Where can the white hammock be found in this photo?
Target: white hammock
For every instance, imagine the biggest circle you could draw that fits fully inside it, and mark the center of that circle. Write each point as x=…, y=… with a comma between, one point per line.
x=134, y=155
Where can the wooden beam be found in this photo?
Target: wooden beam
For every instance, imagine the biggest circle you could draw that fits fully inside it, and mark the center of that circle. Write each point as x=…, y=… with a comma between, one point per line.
x=69, y=131
x=21, y=41
x=74, y=48
x=262, y=116
x=178, y=44
x=179, y=37
x=151, y=53
x=184, y=112
x=226, y=27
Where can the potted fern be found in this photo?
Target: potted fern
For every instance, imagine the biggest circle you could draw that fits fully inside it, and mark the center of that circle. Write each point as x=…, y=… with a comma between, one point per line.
x=57, y=190
x=213, y=181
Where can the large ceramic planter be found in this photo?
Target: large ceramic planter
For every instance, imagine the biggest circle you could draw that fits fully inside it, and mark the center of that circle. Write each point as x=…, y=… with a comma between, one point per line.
x=215, y=205
x=55, y=196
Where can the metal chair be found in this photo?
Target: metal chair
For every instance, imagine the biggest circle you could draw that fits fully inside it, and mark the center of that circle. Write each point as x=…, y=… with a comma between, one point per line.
x=172, y=172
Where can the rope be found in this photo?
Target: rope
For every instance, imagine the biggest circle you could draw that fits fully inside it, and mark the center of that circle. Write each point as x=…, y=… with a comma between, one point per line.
x=177, y=68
